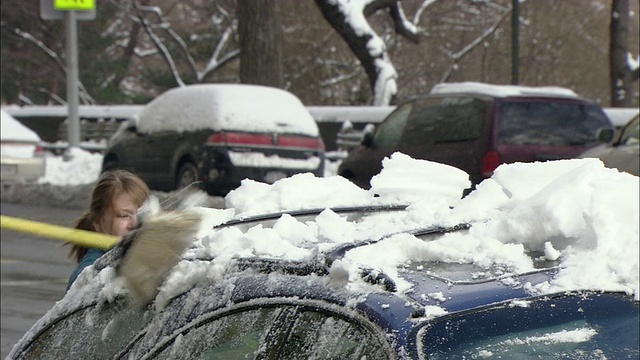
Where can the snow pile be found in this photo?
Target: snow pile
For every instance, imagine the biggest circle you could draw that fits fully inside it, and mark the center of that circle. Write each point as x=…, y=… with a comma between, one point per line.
x=576, y=211
x=566, y=209
x=78, y=167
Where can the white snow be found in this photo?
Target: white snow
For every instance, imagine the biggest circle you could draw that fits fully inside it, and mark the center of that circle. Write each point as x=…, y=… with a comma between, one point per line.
x=564, y=336
x=254, y=159
x=12, y=129
x=576, y=211
x=80, y=167
x=218, y=107
x=17, y=140
x=501, y=90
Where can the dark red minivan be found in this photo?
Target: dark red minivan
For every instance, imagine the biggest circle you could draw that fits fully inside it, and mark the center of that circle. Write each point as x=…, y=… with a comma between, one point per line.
x=476, y=127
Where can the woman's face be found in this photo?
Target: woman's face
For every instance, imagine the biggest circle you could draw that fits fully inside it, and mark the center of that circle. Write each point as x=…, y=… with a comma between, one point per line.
x=123, y=217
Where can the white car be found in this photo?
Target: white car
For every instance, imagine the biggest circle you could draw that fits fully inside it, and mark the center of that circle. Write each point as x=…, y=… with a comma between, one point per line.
x=217, y=135
x=623, y=153
x=22, y=157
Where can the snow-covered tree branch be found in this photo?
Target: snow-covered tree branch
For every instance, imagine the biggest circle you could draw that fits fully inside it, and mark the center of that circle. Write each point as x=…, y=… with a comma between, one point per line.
x=348, y=18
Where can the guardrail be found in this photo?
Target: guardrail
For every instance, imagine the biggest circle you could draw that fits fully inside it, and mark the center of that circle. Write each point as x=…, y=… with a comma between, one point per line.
x=98, y=122
x=342, y=127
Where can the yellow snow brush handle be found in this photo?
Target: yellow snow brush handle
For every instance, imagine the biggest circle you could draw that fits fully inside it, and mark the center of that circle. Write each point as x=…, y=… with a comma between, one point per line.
x=75, y=236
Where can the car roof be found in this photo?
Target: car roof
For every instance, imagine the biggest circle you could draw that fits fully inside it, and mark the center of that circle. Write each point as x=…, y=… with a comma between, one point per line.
x=14, y=131
x=503, y=91
x=238, y=107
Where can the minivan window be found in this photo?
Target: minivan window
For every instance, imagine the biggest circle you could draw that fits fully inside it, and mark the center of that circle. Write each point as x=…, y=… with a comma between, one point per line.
x=388, y=133
x=549, y=123
x=445, y=120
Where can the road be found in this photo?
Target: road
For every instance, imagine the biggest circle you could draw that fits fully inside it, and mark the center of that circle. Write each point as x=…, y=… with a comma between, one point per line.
x=34, y=271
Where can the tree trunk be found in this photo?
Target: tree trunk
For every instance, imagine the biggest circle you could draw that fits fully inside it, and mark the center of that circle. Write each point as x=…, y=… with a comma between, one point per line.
x=621, y=81
x=260, y=38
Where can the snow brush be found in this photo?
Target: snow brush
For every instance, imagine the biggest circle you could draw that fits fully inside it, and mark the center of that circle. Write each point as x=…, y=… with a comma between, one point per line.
x=148, y=252
x=151, y=251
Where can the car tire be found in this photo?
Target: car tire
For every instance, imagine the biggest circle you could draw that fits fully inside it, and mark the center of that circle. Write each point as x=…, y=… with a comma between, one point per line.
x=187, y=175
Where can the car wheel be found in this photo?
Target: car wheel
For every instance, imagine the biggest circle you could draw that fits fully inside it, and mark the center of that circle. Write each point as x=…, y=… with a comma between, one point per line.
x=187, y=175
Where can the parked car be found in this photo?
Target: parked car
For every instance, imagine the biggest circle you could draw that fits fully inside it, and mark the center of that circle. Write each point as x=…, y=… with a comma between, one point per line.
x=476, y=127
x=22, y=156
x=265, y=308
x=540, y=263
x=218, y=134
x=623, y=153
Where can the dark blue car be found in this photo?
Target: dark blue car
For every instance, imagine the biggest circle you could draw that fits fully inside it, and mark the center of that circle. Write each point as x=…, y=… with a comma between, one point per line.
x=266, y=308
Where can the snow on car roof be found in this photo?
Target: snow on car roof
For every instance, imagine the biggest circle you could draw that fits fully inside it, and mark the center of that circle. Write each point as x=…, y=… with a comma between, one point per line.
x=566, y=209
x=218, y=107
x=502, y=90
x=13, y=129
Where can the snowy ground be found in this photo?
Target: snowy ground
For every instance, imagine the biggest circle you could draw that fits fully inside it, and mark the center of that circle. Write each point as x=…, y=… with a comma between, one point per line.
x=68, y=183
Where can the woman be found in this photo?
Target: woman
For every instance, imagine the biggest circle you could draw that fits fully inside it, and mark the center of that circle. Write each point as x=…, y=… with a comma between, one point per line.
x=114, y=205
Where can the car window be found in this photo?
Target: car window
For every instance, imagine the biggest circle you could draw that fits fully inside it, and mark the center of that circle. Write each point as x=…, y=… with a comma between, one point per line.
x=631, y=133
x=444, y=120
x=389, y=131
x=549, y=123
x=316, y=335
x=235, y=336
x=95, y=332
x=596, y=326
x=275, y=332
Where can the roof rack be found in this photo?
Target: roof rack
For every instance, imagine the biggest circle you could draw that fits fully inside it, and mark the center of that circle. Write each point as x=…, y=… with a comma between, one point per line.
x=338, y=210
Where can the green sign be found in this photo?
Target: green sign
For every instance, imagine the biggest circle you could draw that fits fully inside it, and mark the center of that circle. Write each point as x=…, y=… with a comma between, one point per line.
x=70, y=5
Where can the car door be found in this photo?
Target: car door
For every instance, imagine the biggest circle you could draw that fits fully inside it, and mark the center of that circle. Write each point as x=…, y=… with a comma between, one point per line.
x=366, y=161
x=449, y=130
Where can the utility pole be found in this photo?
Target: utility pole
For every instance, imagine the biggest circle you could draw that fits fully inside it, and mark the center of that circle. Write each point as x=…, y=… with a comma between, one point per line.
x=70, y=11
x=73, y=119
x=515, y=42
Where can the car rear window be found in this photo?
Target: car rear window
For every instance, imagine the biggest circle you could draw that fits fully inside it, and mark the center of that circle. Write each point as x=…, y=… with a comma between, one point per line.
x=579, y=326
x=549, y=123
x=445, y=120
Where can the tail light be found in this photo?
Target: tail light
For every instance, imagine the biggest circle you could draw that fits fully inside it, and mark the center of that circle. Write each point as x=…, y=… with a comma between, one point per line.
x=490, y=162
x=248, y=139
x=238, y=139
x=38, y=151
x=301, y=142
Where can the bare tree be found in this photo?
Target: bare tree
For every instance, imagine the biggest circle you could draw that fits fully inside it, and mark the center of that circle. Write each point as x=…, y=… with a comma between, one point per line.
x=170, y=45
x=622, y=74
x=348, y=18
x=260, y=43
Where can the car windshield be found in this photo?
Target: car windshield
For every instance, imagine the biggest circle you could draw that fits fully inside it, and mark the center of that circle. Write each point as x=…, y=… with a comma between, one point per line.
x=631, y=133
x=592, y=326
x=549, y=123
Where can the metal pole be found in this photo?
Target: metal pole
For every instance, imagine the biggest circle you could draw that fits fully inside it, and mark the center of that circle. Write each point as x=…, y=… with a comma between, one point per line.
x=73, y=119
x=515, y=42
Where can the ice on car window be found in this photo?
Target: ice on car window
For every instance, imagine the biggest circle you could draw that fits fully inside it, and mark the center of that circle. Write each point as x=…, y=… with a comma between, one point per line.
x=275, y=332
x=105, y=330
x=596, y=326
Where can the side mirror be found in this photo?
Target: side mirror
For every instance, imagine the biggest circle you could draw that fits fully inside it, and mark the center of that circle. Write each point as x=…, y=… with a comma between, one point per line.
x=605, y=135
x=367, y=139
